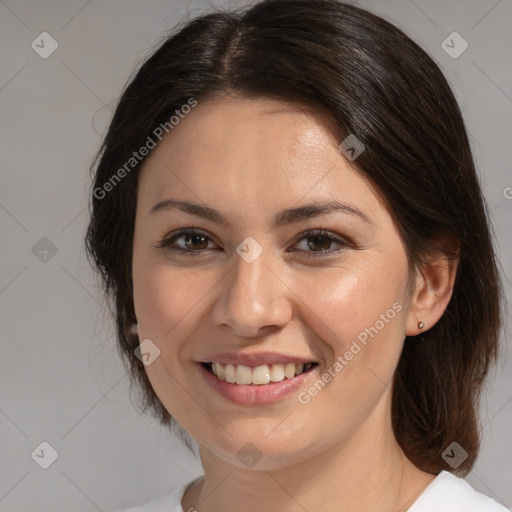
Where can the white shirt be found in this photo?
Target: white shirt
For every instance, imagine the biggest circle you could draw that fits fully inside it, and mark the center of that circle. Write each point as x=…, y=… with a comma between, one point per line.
x=446, y=493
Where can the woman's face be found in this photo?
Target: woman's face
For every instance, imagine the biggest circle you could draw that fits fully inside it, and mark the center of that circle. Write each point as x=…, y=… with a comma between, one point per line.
x=278, y=291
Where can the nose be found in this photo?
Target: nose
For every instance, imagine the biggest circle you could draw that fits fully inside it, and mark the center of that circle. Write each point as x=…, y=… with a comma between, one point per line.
x=253, y=300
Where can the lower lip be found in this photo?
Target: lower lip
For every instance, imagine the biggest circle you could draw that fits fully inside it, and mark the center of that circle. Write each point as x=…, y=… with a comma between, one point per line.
x=255, y=393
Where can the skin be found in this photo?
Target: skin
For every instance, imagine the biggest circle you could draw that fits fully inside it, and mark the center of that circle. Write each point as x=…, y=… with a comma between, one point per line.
x=250, y=158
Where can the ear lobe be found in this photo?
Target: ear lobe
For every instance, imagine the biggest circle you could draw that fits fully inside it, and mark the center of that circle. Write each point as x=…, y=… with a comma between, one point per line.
x=433, y=291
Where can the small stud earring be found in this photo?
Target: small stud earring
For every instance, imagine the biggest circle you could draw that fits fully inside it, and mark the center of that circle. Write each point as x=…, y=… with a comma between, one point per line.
x=421, y=325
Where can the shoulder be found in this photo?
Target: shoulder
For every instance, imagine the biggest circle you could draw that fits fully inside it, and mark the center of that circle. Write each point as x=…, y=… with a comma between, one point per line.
x=168, y=503
x=449, y=493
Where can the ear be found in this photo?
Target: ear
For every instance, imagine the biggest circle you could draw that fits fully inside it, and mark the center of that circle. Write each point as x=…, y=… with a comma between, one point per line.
x=434, y=286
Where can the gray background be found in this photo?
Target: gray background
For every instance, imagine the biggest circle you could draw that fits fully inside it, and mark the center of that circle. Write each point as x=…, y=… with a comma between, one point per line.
x=61, y=378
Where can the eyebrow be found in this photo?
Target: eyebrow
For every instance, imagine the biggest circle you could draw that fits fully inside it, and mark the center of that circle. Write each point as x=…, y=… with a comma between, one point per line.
x=282, y=218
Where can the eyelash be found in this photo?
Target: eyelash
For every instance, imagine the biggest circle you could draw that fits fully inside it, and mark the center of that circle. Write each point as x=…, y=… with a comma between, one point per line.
x=166, y=242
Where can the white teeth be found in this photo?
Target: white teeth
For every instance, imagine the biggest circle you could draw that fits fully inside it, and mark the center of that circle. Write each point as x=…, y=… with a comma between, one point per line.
x=229, y=373
x=220, y=371
x=277, y=373
x=243, y=374
x=263, y=374
x=289, y=370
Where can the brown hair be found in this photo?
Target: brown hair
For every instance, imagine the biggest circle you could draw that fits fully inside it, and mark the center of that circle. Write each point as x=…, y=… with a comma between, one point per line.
x=371, y=80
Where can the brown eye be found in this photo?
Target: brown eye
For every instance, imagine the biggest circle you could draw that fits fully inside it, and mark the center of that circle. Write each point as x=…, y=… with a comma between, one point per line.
x=193, y=241
x=319, y=243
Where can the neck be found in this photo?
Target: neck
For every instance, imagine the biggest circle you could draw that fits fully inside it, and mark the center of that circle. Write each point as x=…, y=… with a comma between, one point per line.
x=367, y=471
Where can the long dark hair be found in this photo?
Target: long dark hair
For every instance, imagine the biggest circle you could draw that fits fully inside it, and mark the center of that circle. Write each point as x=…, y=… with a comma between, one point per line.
x=369, y=79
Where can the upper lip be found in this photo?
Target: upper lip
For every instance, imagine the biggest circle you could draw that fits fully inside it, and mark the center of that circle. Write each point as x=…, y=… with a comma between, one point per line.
x=256, y=359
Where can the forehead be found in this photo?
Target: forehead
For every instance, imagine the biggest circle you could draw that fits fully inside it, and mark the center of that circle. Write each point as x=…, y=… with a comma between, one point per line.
x=224, y=127
x=249, y=149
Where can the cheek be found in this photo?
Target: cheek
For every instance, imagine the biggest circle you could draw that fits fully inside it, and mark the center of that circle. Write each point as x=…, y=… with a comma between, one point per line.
x=358, y=318
x=167, y=304
x=167, y=300
x=345, y=303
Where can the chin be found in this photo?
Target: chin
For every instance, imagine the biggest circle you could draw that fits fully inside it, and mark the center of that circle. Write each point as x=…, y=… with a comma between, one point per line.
x=252, y=449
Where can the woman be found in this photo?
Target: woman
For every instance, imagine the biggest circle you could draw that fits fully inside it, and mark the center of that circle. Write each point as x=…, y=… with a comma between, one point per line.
x=287, y=218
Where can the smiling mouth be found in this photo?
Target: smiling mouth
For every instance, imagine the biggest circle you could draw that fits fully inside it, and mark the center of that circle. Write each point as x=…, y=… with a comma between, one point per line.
x=259, y=375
